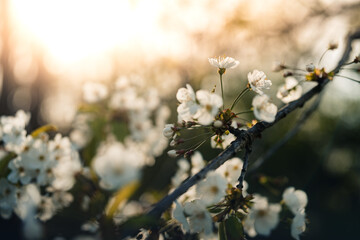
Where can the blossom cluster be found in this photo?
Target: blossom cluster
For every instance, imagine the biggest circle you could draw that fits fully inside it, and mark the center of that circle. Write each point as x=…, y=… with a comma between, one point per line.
x=202, y=106
x=193, y=209
x=205, y=109
x=35, y=165
x=138, y=110
x=263, y=216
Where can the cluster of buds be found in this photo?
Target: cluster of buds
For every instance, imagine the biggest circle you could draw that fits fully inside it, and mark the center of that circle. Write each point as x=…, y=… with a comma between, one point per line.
x=172, y=131
x=234, y=202
x=319, y=75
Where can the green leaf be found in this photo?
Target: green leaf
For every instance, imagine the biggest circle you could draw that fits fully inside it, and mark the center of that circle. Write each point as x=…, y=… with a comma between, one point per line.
x=222, y=232
x=122, y=195
x=97, y=126
x=234, y=228
x=120, y=130
x=45, y=128
x=133, y=224
x=4, y=162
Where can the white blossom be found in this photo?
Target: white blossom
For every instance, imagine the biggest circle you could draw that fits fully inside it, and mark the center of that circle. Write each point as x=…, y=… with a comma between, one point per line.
x=26, y=210
x=7, y=198
x=94, y=92
x=295, y=200
x=263, y=109
x=197, y=162
x=12, y=130
x=224, y=142
x=212, y=189
x=172, y=153
x=290, y=91
x=298, y=225
x=258, y=81
x=19, y=172
x=224, y=62
x=47, y=208
x=209, y=106
x=188, y=106
x=262, y=218
x=231, y=170
x=81, y=133
x=178, y=214
x=168, y=130
x=198, y=217
x=90, y=226
x=182, y=172
x=185, y=95
x=117, y=165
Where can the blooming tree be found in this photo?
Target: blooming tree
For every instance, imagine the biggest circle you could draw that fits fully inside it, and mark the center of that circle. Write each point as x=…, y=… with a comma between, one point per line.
x=99, y=171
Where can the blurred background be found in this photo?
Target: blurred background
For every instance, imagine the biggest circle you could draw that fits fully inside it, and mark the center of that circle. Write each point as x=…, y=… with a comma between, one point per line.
x=49, y=49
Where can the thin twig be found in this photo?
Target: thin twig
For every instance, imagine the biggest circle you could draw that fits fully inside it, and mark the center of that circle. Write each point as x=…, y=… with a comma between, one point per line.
x=244, y=168
x=244, y=138
x=348, y=78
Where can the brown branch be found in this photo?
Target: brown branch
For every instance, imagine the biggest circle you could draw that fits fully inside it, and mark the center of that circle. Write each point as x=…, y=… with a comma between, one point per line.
x=244, y=138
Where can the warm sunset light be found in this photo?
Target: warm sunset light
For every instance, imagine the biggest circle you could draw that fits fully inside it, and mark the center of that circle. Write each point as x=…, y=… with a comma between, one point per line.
x=73, y=30
x=179, y=119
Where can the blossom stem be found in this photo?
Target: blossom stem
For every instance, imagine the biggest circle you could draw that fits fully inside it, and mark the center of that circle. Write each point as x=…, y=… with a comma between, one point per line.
x=201, y=143
x=322, y=56
x=249, y=111
x=354, y=80
x=294, y=68
x=349, y=63
x=351, y=69
x=242, y=93
x=199, y=127
x=222, y=90
x=298, y=74
x=200, y=135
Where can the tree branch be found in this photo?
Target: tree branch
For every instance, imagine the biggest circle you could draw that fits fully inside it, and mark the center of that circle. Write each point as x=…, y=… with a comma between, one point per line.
x=244, y=169
x=245, y=138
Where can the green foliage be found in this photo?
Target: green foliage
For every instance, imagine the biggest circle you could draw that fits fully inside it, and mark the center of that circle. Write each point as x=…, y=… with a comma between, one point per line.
x=4, y=162
x=120, y=130
x=133, y=224
x=97, y=126
x=231, y=229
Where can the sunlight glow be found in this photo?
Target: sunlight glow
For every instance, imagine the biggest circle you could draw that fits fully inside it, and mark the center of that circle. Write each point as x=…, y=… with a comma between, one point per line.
x=71, y=30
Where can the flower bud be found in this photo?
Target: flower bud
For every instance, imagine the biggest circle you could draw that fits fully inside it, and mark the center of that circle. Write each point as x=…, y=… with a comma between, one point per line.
x=173, y=143
x=172, y=153
x=333, y=45
x=287, y=74
x=188, y=154
x=357, y=59
x=277, y=66
x=310, y=67
x=168, y=130
x=218, y=124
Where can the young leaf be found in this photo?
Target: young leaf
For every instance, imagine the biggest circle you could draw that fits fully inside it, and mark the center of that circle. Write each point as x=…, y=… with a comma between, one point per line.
x=222, y=231
x=234, y=229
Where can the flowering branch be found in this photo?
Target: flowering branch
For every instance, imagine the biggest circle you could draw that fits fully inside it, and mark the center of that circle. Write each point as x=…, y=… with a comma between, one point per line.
x=244, y=138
